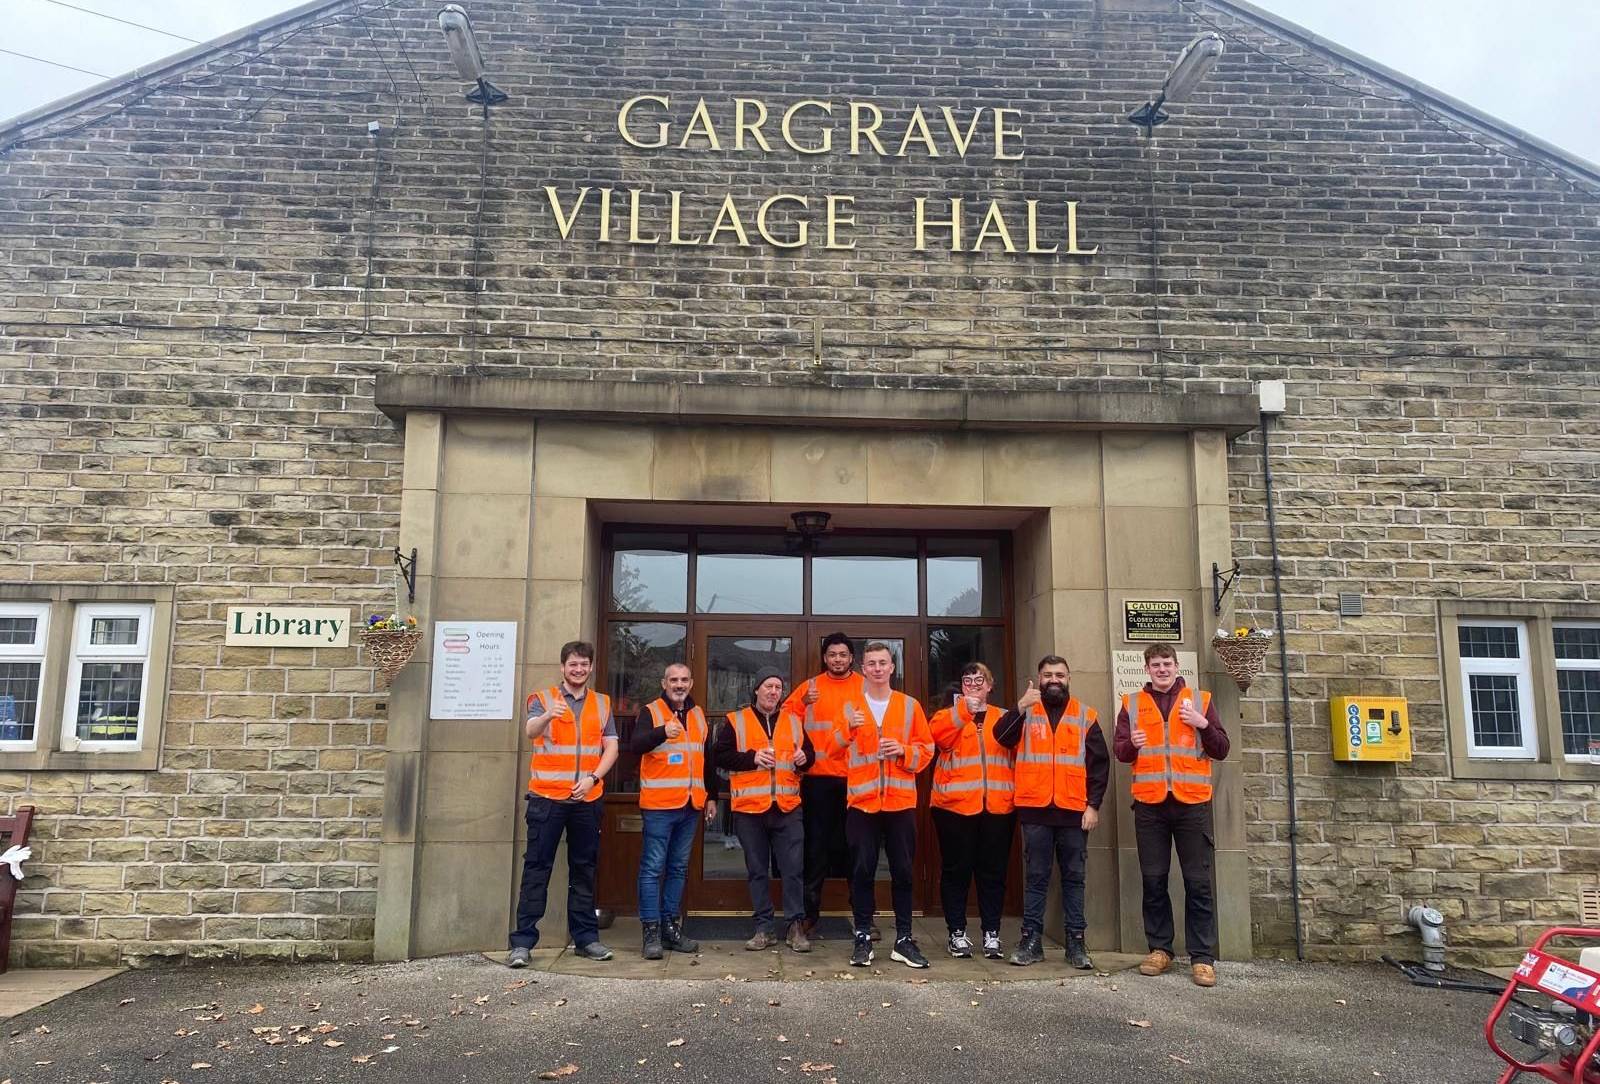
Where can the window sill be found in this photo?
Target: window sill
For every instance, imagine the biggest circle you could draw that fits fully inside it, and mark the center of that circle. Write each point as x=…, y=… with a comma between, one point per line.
x=45, y=760
x=1565, y=771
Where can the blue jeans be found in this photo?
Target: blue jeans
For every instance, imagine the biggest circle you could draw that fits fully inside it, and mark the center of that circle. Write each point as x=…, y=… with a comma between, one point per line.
x=664, y=866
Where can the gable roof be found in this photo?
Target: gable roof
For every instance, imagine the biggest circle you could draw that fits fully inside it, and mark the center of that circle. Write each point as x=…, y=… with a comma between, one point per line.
x=1427, y=97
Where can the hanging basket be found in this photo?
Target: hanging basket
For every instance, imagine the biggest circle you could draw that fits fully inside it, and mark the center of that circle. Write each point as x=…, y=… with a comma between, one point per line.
x=1242, y=656
x=390, y=649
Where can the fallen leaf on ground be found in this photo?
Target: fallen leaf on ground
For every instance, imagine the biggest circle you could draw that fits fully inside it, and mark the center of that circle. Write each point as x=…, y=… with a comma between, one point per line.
x=484, y=1000
x=815, y=1067
x=560, y=1001
x=783, y=1038
x=556, y=1074
x=1180, y=1061
x=1139, y=1023
x=1340, y=1001
x=199, y=1065
x=324, y=1028
x=255, y=1010
x=41, y=1030
x=333, y=1044
x=676, y=1042
x=126, y=1001
x=361, y=1059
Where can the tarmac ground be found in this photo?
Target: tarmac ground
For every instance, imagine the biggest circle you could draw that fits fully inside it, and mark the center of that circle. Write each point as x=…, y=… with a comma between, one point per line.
x=737, y=1016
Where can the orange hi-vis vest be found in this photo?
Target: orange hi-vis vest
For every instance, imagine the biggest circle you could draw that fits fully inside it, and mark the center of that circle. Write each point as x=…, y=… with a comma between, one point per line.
x=1172, y=760
x=1052, y=767
x=877, y=785
x=974, y=773
x=756, y=790
x=569, y=748
x=674, y=772
x=824, y=720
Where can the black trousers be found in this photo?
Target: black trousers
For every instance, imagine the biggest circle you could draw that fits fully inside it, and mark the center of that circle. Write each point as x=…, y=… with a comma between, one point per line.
x=1159, y=829
x=1044, y=847
x=895, y=833
x=827, y=852
x=547, y=820
x=763, y=837
x=973, y=846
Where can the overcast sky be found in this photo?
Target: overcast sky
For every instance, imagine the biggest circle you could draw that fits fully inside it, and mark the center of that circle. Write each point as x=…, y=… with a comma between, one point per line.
x=1529, y=62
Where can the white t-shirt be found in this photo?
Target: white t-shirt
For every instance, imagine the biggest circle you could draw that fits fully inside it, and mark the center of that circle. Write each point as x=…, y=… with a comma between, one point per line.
x=878, y=708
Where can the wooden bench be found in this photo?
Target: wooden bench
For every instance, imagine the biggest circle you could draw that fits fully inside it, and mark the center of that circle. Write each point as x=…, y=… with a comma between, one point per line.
x=13, y=833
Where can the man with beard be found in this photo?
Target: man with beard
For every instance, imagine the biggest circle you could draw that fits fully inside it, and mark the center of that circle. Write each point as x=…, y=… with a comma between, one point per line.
x=1170, y=733
x=820, y=703
x=1061, y=775
x=676, y=782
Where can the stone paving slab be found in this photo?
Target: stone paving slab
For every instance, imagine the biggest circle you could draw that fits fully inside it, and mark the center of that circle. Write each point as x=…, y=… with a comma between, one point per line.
x=24, y=989
x=829, y=959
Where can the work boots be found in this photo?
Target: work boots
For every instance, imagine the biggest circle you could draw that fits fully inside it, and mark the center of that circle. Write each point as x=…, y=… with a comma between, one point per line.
x=1029, y=950
x=672, y=936
x=653, y=949
x=1077, y=953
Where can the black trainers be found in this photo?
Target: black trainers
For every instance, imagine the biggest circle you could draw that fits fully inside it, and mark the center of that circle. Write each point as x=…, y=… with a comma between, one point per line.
x=1029, y=951
x=991, y=945
x=653, y=949
x=960, y=945
x=906, y=952
x=594, y=950
x=1077, y=953
x=672, y=938
x=861, y=955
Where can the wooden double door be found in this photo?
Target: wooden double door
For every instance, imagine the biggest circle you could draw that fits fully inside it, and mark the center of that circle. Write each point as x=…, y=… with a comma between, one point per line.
x=725, y=656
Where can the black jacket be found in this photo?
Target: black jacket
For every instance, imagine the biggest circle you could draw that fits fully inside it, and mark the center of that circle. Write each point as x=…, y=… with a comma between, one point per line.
x=730, y=759
x=1096, y=758
x=646, y=736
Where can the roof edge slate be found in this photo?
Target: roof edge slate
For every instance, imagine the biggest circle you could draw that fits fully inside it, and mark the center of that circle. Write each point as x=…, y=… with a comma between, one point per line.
x=193, y=55
x=1265, y=20
x=1471, y=115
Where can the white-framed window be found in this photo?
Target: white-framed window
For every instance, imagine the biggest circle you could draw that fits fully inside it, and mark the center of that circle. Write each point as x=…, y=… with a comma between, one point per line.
x=1497, y=689
x=107, y=676
x=24, y=635
x=1577, y=656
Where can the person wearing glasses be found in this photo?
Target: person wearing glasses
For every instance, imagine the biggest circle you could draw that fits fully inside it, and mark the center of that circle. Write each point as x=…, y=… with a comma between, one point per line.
x=973, y=811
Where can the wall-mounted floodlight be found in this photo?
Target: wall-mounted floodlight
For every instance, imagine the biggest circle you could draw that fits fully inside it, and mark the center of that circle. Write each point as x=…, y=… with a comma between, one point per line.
x=1192, y=65
x=464, y=51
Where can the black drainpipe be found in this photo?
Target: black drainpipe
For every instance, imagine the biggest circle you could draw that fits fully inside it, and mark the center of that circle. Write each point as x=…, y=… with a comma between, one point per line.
x=1283, y=666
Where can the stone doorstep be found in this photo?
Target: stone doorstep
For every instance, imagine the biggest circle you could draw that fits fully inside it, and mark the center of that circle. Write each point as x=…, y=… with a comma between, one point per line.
x=24, y=989
x=829, y=959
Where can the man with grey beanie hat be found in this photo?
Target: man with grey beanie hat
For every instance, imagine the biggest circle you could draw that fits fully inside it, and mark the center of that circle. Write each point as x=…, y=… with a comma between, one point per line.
x=764, y=750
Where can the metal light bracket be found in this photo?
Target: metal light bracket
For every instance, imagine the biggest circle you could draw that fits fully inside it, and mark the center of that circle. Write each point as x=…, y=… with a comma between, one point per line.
x=1149, y=115
x=408, y=571
x=486, y=94
x=1221, y=583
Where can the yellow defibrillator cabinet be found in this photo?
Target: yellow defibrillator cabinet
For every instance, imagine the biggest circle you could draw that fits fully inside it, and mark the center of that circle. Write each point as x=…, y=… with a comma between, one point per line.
x=1370, y=728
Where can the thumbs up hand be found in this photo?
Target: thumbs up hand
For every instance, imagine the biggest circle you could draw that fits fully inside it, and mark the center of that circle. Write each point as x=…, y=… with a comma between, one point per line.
x=811, y=691
x=1029, y=699
x=852, y=717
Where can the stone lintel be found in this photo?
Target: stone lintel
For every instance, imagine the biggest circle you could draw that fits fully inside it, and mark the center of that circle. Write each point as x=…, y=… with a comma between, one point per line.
x=822, y=407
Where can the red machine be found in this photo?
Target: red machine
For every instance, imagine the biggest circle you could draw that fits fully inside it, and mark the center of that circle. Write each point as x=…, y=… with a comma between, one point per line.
x=1564, y=1034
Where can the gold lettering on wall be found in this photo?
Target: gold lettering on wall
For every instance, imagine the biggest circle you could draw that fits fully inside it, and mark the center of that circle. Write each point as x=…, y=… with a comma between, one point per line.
x=661, y=128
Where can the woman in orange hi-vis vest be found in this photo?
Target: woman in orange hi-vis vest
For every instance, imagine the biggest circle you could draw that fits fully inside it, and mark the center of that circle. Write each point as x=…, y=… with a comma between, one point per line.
x=889, y=745
x=766, y=753
x=574, y=746
x=1171, y=734
x=972, y=811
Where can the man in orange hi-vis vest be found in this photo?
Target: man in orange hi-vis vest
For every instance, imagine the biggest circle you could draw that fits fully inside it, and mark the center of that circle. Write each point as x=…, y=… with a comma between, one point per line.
x=677, y=786
x=889, y=745
x=574, y=745
x=820, y=703
x=1171, y=734
x=766, y=752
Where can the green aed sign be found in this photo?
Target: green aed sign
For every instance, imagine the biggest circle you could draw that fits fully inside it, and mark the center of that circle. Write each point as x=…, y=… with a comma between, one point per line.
x=1145, y=621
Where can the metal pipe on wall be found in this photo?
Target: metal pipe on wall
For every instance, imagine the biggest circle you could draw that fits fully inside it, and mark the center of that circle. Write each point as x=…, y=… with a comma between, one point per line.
x=1283, y=667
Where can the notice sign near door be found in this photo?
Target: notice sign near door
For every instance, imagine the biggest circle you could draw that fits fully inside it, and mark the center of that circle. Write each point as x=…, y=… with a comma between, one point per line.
x=1145, y=621
x=474, y=670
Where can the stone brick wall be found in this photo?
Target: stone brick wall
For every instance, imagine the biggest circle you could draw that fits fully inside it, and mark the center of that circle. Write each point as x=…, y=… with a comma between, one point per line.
x=189, y=341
